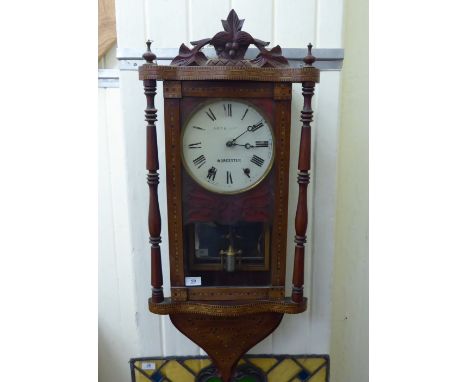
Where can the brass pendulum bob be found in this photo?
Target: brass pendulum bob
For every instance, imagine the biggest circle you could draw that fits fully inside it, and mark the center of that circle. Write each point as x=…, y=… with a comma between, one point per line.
x=230, y=259
x=230, y=254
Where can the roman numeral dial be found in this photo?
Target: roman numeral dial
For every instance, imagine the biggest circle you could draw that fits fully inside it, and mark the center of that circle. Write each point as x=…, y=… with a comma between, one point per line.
x=227, y=146
x=261, y=143
x=228, y=177
x=210, y=114
x=199, y=161
x=257, y=160
x=212, y=173
x=227, y=110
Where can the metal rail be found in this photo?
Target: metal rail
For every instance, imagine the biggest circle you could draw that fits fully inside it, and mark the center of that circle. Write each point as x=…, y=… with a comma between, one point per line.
x=130, y=59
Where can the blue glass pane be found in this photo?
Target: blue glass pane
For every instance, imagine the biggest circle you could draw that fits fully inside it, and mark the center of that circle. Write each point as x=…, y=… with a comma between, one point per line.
x=157, y=377
x=303, y=375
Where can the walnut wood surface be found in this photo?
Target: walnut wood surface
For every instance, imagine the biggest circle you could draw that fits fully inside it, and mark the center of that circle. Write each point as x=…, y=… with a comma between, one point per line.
x=230, y=47
x=279, y=237
x=303, y=179
x=154, y=216
x=174, y=192
x=234, y=293
x=227, y=321
x=177, y=111
x=227, y=309
x=212, y=89
x=226, y=339
x=200, y=73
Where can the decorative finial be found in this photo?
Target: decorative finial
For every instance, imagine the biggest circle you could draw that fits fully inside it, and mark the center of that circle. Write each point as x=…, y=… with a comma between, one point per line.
x=230, y=45
x=149, y=56
x=309, y=59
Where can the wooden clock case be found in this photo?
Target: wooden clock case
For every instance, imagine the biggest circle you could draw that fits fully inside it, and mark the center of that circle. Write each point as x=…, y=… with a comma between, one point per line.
x=226, y=321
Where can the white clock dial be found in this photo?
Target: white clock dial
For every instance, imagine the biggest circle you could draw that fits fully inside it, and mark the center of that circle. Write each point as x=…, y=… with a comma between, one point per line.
x=227, y=146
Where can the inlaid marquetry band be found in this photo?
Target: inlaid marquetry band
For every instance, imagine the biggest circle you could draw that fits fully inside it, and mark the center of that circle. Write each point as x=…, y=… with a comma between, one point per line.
x=263, y=306
x=194, y=73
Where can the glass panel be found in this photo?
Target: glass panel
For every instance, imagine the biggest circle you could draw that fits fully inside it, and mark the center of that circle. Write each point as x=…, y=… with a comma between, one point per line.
x=233, y=247
x=227, y=152
x=227, y=238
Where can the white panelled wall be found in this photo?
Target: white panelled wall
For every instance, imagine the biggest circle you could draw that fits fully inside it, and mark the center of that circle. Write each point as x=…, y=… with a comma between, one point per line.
x=127, y=328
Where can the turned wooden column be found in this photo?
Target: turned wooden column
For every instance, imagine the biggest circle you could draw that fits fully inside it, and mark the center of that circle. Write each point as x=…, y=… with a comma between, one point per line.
x=303, y=179
x=152, y=165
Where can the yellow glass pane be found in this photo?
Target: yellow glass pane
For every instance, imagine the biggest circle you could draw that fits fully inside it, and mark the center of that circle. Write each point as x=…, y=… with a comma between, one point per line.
x=311, y=364
x=197, y=364
x=264, y=364
x=144, y=365
x=140, y=377
x=176, y=372
x=283, y=372
x=321, y=376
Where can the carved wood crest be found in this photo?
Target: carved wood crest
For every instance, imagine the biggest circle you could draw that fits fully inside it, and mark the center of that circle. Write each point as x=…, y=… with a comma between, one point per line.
x=230, y=46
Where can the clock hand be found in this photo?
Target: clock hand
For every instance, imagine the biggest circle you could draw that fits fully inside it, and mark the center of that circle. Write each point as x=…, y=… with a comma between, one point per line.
x=249, y=128
x=240, y=135
x=246, y=145
x=249, y=146
x=255, y=127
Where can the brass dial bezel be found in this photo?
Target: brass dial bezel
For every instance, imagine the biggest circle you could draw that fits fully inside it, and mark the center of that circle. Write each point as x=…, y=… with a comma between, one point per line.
x=204, y=184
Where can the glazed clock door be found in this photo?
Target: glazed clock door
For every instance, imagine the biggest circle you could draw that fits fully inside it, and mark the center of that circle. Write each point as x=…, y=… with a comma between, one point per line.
x=227, y=146
x=227, y=153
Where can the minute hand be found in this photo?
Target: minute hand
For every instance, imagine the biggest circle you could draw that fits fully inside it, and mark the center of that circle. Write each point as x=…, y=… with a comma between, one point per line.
x=249, y=128
x=232, y=142
x=255, y=127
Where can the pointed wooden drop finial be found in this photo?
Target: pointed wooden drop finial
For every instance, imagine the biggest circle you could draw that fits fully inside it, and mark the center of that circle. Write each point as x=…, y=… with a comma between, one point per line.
x=309, y=59
x=149, y=56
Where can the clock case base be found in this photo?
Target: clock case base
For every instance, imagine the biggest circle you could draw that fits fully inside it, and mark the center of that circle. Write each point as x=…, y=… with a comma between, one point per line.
x=227, y=331
x=226, y=339
x=227, y=309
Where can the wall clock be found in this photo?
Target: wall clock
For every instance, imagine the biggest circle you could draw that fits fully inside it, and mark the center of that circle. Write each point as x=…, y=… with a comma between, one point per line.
x=227, y=130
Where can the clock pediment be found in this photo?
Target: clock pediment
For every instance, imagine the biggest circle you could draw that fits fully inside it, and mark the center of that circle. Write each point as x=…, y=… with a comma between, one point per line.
x=230, y=46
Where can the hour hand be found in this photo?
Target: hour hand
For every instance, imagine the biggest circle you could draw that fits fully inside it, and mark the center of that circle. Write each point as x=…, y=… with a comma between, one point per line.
x=249, y=146
x=246, y=145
